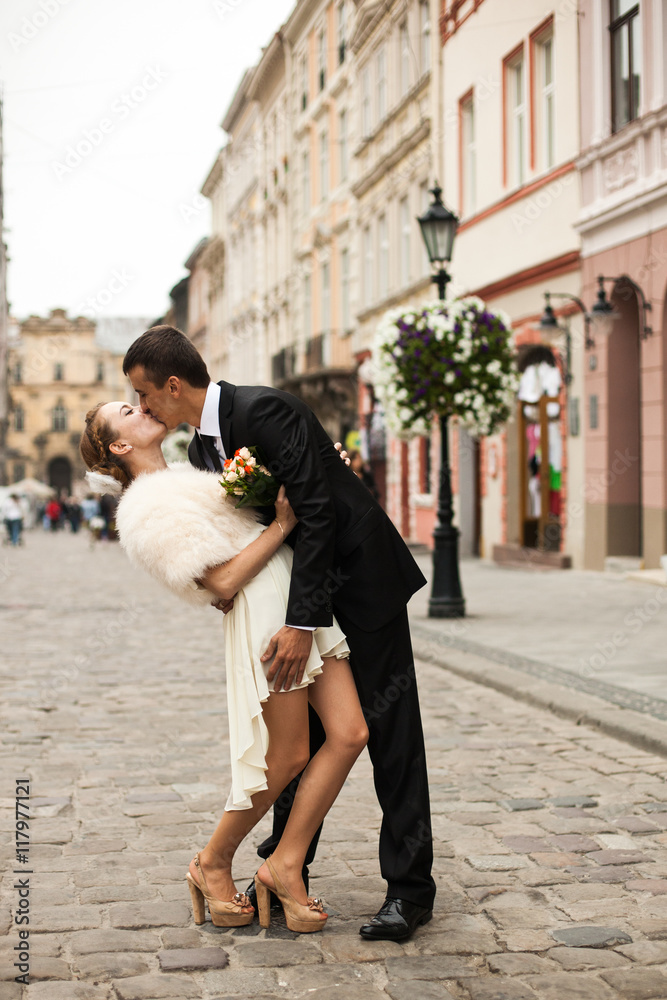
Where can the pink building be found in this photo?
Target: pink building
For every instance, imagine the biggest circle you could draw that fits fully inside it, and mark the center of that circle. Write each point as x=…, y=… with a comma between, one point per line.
x=623, y=229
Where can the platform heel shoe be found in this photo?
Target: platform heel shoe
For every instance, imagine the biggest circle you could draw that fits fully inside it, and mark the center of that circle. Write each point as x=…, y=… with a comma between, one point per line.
x=300, y=918
x=224, y=913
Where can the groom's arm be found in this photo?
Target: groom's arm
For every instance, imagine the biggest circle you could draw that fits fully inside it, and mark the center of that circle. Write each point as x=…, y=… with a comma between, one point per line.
x=286, y=439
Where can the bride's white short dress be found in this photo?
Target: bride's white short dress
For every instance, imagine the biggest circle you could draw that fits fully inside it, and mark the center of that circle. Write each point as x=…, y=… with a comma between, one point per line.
x=258, y=613
x=175, y=524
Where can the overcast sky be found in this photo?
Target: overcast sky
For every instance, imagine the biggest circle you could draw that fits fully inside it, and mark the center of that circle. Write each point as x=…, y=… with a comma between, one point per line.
x=112, y=118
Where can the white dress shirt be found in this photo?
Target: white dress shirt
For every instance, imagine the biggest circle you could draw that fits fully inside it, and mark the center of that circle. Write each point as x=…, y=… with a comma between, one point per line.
x=210, y=422
x=210, y=425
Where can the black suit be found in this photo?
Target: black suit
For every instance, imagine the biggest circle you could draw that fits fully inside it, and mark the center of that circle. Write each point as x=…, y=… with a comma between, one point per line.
x=350, y=560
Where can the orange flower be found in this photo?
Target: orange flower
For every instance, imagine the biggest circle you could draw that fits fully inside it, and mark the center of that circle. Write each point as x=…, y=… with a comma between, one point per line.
x=237, y=451
x=248, y=468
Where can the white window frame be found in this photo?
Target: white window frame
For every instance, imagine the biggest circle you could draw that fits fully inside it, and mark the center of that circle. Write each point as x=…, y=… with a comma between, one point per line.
x=306, y=198
x=307, y=306
x=383, y=257
x=303, y=102
x=367, y=250
x=325, y=297
x=405, y=229
x=322, y=58
x=345, y=302
x=366, y=101
x=424, y=202
x=404, y=55
x=424, y=36
x=325, y=166
x=342, y=32
x=517, y=119
x=546, y=112
x=468, y=155
x=343, y=146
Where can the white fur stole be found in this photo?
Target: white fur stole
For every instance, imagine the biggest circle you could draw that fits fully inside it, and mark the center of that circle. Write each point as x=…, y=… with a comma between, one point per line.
x=177, y=523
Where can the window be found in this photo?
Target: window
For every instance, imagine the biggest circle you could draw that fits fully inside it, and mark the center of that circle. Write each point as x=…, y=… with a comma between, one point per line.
x=342, y=32
x=626, y=62
x=425, y=36
x=58, y=372
x=17, y=372
x=304, y=83
x=515, y=116
x=19, y=471
x=324, y=165
x=346, y=317
x=404, y=57
x=322, y=58
x=368, y=265
x=468, y=156
x=59, y=417
x=343, y=151
x=99, y=377
x=19, y=418
x=543, y=138
x=405, y=227
x=366, y=120
x=326, y=297
x=305, y=183
x=307, y=318
x=381, y=83
x=383, y=258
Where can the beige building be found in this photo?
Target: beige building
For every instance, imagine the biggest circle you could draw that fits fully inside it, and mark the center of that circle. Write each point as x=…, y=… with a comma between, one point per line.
x=280, y=301
x=395, y=158
x=58, y=370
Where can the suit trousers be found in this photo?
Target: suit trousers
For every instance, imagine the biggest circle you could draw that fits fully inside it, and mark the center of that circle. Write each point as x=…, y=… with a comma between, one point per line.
x=382, y=663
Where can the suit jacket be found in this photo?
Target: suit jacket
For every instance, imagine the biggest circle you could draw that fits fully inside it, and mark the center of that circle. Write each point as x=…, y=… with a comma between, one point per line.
x=347, y=553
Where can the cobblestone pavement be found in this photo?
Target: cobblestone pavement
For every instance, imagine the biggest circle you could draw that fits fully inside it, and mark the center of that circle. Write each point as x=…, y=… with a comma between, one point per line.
x=549, y=838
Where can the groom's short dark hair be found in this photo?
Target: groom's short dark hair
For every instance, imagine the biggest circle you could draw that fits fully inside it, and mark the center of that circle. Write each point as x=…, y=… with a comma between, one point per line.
x=163, y=351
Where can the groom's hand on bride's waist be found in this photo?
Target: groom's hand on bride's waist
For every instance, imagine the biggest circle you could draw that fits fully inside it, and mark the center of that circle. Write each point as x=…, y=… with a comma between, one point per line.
x=224, y=605
x=290, y=649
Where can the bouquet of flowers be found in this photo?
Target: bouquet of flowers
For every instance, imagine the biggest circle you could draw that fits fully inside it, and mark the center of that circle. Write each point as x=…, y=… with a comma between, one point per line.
x=251, y=482
x=445, y=359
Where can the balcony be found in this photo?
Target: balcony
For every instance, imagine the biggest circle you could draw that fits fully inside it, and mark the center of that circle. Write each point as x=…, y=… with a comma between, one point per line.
x=283, y=365
x=314, y=354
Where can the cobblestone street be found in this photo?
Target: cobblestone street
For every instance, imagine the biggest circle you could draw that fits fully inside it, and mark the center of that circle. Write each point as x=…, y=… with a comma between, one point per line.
x=549, y=836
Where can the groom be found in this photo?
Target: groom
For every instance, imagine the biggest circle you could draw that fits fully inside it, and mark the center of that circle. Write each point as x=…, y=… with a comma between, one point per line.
x=349, y=560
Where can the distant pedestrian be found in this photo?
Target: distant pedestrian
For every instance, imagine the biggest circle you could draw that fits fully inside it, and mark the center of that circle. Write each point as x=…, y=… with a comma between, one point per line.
x=90, y=507
x=54, y=513
x=362, y=470
x=74, y=514
x=13, y=517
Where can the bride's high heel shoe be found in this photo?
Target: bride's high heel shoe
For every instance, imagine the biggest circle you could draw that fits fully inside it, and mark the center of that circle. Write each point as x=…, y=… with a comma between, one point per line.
x=224, y=913
x=303, y=919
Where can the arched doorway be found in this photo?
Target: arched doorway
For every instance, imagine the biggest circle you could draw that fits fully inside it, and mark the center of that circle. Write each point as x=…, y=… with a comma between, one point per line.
x=624, y=464
x=60, y=475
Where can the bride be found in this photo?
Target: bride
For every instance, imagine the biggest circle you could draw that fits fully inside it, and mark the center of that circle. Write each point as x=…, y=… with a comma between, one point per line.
x=176, y=523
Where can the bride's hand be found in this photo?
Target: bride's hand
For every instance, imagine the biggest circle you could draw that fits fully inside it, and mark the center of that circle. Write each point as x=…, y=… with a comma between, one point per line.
x=285, y=516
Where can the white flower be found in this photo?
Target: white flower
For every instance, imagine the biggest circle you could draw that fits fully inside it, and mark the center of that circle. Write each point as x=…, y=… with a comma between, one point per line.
x=230, y=476
x=246, y=456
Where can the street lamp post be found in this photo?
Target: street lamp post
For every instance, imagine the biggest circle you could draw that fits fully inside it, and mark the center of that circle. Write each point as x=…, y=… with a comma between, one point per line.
x=438, y=228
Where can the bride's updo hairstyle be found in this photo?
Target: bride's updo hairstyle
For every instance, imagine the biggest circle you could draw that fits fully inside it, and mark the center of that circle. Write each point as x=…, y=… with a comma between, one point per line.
x=94, y=447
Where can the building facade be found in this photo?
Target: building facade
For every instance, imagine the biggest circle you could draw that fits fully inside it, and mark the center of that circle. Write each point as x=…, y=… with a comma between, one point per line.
x=509, y=130
x=623, y=229
x=57, y=371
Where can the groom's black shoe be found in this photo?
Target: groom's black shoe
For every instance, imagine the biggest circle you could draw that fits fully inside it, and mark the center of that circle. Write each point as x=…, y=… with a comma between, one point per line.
x=396, y=921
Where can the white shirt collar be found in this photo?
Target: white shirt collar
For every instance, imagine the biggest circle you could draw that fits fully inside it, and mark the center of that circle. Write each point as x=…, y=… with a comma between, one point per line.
x=210, y=414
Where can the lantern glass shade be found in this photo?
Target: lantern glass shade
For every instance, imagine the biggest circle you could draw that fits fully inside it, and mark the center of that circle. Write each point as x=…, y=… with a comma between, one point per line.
x=603, y=322
x=438, y=226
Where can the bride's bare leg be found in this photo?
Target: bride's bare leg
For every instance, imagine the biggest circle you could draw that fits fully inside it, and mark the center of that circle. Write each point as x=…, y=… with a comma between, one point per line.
x=286, y=718
x=334, y=697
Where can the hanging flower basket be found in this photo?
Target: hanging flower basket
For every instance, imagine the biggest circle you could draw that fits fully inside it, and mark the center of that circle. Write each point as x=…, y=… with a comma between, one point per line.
x=445, y=359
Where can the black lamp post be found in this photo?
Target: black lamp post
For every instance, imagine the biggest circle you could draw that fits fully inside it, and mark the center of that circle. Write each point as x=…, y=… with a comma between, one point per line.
x=438, y=228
